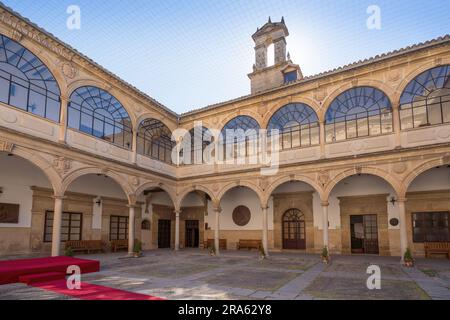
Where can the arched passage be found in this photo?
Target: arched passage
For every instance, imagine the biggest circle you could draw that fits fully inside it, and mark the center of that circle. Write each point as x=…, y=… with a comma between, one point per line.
x=294, y=210
x=97, y=206
x=427, y=206
x=360, y=206
x=160, y=208
x=26, y=197
x=195, y=205
x=239, y=216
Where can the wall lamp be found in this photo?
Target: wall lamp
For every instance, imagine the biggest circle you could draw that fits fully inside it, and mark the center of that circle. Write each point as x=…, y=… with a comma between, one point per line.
x=393, y=201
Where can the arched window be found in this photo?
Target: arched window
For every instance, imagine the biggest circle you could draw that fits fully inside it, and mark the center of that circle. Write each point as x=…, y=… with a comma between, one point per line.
x=200, y=138
x=96, y=112
x=154, y=139
x=298, y=126
x=426, y=99
x=358, y=112
x=26, y=83
x=241, y=132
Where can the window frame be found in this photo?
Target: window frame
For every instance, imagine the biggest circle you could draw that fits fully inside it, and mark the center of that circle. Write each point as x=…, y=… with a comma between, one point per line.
x=47, y=212
x=119, y=217
x=427, y=229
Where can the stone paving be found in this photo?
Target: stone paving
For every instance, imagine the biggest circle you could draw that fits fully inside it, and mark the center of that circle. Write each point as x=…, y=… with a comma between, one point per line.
x=193, y=274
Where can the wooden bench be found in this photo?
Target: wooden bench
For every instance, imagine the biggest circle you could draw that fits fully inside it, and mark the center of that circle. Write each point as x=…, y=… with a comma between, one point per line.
x=437, y=248
x=119, y=244
x=249, y=244
x=210, y=243
x=85, y=245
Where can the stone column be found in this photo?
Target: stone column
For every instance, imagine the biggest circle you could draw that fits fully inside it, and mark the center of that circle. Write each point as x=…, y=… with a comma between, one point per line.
x=57, y=218
x=325, y=205
x=177, y=229
x=131, y=229
x=402, y=224
x=63, y=119
x=396, y=126
x=322, y=139
x=216, y=230
x=134, y=147
x=264, y=230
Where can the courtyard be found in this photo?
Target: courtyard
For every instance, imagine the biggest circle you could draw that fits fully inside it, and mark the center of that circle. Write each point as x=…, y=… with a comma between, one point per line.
x=240, y=275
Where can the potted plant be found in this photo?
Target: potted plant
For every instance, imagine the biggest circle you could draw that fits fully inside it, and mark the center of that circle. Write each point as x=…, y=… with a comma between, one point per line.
x=262, y=253
x=408, y=260
x=325, y=255
x=212, y=250
x=68, y=252
x=137, y=249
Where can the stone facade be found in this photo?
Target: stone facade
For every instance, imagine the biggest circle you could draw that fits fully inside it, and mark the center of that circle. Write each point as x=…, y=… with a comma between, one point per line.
x=65, y=155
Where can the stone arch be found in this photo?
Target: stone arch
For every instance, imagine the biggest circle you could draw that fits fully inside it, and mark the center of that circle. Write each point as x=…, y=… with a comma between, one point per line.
x=152, y=115
x=73, y=86
x=285, y=101
x=183, y=194
x=377, y=84
x=119, y=179
x=296, y=178
x=421, y=169
x=394, y=183
x=247, y=184
x=168, y=189
x=413, y=74
x=41, y=163
x=205, y=123
x=233, y=115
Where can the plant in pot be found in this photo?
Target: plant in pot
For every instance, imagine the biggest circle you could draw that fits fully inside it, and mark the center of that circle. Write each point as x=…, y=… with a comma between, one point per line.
x=408, y=260
x=137, y=250
x=68, y=252
x=262, y=253
x=212, y=250
x=325, y=255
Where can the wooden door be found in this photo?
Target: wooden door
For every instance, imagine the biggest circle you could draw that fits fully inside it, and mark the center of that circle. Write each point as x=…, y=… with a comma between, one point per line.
x=294, y=232
x=163, y=233
x=191, y=234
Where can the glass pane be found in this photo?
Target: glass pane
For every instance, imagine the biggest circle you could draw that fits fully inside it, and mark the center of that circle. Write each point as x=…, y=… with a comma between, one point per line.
x=18, y=96
x=4, y=90
x=36, y=103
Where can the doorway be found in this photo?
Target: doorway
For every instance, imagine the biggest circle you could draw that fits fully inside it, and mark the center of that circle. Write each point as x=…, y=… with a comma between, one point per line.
x=364, y=234
x=191, y=233
x=163, y=233
x=294, y=233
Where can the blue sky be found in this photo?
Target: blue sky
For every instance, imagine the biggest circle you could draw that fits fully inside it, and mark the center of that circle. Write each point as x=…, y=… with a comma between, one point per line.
x=189, y=54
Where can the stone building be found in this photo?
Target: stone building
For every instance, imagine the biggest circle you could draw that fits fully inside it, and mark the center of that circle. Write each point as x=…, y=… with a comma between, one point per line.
x=362, y=167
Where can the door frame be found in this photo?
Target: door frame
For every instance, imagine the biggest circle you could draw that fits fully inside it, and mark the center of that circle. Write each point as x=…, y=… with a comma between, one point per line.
x=301, y=243
x=169, y=236
x=365, y=230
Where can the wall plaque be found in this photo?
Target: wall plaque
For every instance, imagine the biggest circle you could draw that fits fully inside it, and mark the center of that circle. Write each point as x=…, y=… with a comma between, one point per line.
x=241, y=215
x=393, y=222
x=9, y=213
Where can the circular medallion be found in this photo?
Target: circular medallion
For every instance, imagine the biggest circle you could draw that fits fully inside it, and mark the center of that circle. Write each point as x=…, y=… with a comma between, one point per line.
x=241, y=215
x=393, y=222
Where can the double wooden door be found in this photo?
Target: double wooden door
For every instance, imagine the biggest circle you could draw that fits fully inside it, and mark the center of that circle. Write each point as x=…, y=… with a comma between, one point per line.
x=191, y=233
x=294, y=231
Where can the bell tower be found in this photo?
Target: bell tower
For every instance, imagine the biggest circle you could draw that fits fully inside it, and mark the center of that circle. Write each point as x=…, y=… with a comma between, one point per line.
x=266, y=77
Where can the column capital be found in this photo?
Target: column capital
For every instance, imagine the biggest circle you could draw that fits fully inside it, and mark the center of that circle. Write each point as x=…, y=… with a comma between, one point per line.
x=134, y=206
x=59, y=197
x=264, y=207
x=217, y=209
x=177, y=212
x=401, y=200
x=325, y=203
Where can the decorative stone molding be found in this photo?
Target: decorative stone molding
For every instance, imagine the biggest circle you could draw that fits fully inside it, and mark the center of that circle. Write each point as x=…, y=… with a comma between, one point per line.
x=68, y=70
x=323, y=177
x=134, y=181
x=358, y=169
x=6, y=146
x=320, y=95
x=399, y=167
x=394, y=76
x=62, y=165
x=16, y=35
x=263, y=183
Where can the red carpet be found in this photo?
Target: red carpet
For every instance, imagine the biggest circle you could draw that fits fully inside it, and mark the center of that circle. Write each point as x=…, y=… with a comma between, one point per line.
x=92, y=292
x=11, y=270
